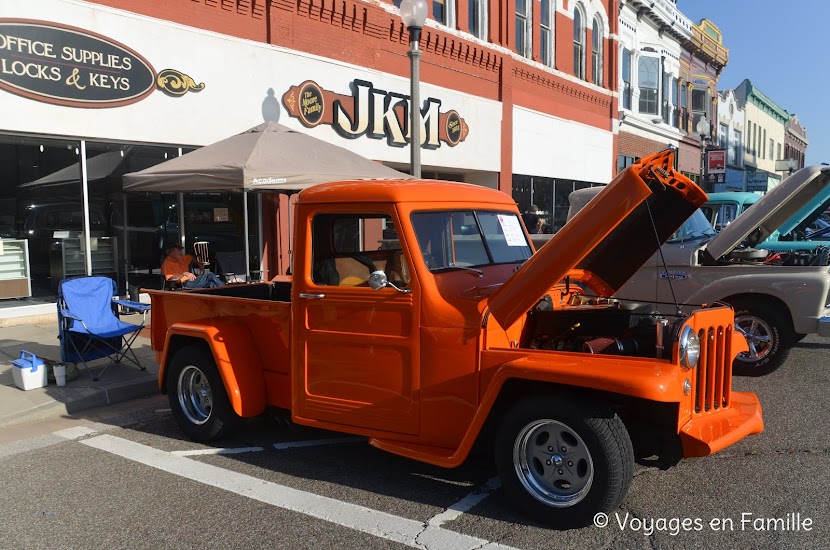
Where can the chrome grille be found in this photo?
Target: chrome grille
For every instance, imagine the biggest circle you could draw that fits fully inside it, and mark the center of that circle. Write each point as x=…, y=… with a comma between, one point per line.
x=713, y=381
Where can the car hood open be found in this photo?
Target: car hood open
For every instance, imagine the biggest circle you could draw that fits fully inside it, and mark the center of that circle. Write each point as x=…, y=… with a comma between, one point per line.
x=782, y=209
x=609, y=239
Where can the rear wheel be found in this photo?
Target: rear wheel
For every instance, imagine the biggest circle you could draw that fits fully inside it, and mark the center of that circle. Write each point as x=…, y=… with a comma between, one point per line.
x=561, y=461
x=197, y=395
x=768, y=334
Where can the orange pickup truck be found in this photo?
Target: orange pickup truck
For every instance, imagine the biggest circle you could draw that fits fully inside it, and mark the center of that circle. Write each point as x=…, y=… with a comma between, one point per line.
x=419, y=316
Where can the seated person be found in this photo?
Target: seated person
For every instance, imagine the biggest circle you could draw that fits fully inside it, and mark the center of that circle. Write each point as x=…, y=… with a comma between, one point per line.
x=176, y=267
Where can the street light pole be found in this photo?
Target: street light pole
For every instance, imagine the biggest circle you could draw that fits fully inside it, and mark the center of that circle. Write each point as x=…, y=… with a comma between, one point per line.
x=703, y=127
x=414, y=15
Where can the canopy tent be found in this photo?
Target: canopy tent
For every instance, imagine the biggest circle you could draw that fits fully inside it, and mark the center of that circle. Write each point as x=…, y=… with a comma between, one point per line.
x=267, y=157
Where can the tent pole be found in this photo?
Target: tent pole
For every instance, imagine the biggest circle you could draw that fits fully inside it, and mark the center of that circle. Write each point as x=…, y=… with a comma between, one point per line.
x=86, y=240
x=260, y=237
x=247, y=247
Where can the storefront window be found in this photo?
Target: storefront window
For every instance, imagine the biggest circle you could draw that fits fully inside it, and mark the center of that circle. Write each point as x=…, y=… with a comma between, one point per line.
x=135, y=222
x=41, y=202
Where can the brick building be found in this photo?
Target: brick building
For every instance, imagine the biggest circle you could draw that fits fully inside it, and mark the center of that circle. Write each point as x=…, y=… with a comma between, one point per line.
x=519, y=96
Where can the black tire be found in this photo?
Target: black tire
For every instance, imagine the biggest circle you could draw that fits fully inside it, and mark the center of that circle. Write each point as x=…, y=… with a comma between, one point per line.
x=197, y=395
x=769, y=334
x=597, y=446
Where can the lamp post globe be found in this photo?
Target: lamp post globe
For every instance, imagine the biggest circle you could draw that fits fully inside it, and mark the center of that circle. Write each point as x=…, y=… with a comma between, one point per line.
x=703, y=127
x=414, y=15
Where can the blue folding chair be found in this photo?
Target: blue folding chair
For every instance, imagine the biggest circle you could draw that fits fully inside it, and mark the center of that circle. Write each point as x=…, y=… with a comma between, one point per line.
x=88, y=323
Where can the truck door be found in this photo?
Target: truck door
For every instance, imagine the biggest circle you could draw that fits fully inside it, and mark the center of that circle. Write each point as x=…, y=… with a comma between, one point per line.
x=357, y=354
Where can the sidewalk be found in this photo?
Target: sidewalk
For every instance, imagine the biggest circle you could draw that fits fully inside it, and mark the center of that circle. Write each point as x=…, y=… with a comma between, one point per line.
x=119, y=383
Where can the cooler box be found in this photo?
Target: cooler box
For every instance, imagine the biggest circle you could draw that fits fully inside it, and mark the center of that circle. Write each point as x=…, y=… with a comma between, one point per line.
x=29, y=372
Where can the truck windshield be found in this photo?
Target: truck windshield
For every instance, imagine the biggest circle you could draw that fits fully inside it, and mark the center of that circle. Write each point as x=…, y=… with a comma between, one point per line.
x=466, y=238
x=696, y=227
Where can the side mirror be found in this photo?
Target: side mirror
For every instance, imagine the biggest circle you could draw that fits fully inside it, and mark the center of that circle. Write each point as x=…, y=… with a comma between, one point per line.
x=378, y=280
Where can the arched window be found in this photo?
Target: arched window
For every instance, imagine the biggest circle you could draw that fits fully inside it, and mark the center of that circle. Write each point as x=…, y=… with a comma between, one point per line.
x=596, y=52
x=524, y=21
x=546, y=48
x=579, y=42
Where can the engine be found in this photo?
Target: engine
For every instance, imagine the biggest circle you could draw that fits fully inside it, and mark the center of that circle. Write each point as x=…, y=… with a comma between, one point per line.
x=601, y=326
x=820, y=256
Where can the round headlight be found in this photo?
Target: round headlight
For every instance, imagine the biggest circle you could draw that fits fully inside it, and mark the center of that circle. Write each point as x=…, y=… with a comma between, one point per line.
x=689, y=348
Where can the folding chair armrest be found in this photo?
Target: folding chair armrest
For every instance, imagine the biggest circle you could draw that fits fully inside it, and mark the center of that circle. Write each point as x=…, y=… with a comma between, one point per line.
x=135, y=306
x=68, y=314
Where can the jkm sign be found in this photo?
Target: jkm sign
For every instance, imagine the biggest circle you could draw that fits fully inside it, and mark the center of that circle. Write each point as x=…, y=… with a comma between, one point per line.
x=374, y=113
x=74, y=67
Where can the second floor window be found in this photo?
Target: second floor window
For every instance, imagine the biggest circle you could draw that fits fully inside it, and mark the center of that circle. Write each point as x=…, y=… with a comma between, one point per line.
x=523, y=26
x=546, y=35
x=443, y=11
x=579, y=43
x=626, y=78
x=736, y=153
x=477, y=18
x=723, y=136
x=648, y=80
x=675, y=97
x=596, y=52
x=700, y=106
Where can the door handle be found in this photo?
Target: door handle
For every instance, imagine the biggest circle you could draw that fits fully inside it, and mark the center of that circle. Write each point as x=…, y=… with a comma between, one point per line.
x=311, y=296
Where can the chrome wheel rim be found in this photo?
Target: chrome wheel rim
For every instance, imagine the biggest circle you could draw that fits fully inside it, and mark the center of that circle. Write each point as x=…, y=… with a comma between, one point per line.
x=758, y=334
x=195, y=395
x=553, y=463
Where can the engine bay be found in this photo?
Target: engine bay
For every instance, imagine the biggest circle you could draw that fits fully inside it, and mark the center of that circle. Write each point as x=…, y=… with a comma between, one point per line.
x=600, y=326
x=820, y=256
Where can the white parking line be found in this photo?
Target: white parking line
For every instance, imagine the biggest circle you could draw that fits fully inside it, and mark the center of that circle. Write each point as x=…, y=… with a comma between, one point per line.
x=380, y=524
x=465, y=504
x=75, y=433
x=316, y=442
x=218, y=451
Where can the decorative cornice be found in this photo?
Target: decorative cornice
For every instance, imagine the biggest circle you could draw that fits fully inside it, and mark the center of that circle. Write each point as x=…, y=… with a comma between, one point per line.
x=539, y=79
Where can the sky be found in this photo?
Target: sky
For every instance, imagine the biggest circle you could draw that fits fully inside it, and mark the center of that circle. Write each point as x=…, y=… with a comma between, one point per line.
x=783, y=48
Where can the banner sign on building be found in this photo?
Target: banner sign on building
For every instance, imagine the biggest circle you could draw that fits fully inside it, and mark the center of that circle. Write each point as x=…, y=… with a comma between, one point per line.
x=716, y=161
x=373, y=113
x=73, y=67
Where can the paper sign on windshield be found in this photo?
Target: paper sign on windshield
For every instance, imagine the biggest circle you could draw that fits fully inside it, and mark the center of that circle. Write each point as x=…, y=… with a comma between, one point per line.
x=512, y=230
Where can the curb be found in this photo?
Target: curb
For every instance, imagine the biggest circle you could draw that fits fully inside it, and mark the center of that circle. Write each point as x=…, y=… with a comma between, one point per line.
x=88, y=399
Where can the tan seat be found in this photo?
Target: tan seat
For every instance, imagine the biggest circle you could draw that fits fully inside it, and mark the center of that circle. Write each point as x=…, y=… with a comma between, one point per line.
x=396, y=269
x=352, y=272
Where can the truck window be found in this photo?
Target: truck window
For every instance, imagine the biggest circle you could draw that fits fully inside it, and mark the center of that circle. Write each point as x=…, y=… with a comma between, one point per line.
x=347, y=248
x=469, y=238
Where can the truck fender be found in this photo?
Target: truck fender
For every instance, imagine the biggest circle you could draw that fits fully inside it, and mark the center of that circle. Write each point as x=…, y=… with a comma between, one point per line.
x=230, y=344
x=762, y=286
x=635, y=379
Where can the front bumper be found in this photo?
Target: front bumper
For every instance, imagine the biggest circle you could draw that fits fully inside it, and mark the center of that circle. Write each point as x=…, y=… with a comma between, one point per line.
x=709, y=433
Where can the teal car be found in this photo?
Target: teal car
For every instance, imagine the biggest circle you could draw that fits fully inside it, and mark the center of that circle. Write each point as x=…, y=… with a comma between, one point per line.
x=805, y=230
x=722, y=208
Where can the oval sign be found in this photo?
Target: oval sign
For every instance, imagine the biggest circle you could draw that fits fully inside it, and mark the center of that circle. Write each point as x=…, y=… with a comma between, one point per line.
x=69, y=66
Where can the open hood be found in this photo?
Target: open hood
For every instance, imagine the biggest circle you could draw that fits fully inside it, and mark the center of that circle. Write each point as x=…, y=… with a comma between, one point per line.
x=609, y=239
x=783, y=208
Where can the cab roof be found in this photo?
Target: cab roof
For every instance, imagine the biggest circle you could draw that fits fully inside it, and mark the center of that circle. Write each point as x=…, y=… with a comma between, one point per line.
x=396, y=191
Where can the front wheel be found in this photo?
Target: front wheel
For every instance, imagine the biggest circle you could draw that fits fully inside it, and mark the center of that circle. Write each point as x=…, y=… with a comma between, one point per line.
x=768, y=334
x=561, y=461
x=197, y=395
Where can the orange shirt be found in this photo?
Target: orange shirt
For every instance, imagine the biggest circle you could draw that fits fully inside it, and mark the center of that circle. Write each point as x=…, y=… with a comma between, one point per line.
x=171, y=268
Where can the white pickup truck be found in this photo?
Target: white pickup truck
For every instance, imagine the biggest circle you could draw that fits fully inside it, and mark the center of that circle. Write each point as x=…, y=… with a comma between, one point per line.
x=778, y=297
